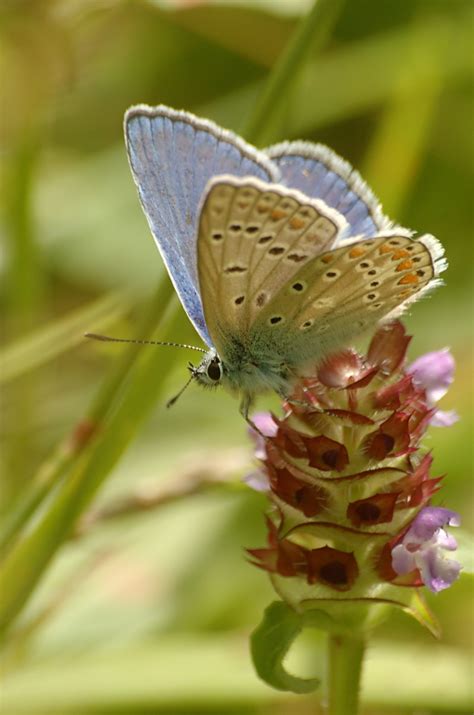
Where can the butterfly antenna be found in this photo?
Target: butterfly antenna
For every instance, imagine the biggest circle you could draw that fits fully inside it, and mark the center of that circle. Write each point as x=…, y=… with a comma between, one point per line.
x=108, y=339
x=171, y=402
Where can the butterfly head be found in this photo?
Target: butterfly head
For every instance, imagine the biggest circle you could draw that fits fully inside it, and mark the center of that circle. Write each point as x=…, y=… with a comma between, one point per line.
x=209, y=371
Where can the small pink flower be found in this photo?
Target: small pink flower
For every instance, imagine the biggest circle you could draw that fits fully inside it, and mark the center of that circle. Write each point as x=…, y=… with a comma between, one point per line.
x=423, y=547
x=264, y=422
x=434, y=373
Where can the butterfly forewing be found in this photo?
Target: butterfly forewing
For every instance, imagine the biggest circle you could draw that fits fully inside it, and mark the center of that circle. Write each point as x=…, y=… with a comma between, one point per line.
x=343, y=292
x=253, y=237
x=173, y=155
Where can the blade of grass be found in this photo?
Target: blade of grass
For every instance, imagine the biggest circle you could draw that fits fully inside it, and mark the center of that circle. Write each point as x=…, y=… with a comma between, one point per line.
x=311, y=33
x=444, y=44
x=398, y=147
x=59, y=335
x=25, y=288
x=361, y=61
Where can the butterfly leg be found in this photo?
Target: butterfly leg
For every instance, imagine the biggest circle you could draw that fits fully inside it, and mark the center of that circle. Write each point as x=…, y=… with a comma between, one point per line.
x=298, y=403
x=244, y=408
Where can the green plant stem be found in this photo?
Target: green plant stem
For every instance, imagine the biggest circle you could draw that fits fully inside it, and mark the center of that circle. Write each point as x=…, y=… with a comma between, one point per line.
x=345, y=655
x=311, y=33
x=24, y=296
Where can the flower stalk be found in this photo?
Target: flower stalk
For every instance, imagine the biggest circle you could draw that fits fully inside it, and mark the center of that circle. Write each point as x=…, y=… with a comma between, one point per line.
x=345, y=659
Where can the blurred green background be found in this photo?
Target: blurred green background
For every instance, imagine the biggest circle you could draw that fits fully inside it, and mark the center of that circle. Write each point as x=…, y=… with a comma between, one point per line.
x=148, y=606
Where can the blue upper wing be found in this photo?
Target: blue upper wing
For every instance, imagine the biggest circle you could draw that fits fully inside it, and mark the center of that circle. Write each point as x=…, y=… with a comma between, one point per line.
x=319, y=173
x=173, y=154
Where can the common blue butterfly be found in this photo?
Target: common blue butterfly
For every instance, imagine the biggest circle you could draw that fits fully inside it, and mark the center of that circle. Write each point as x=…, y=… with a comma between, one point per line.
x=279, y=257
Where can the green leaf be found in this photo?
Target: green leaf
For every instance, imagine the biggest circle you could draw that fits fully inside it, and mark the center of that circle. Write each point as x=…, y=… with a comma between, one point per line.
x=272, y=639
x=418, y=609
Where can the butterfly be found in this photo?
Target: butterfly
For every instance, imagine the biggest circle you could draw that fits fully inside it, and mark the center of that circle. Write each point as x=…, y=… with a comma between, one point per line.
x=279, y=256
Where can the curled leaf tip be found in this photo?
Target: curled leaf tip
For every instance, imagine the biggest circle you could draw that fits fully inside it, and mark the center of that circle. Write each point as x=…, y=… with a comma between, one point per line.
x=271, y=641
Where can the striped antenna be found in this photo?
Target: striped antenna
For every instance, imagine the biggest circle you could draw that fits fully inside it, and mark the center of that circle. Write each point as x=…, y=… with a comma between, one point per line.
x=171, y=402
x=107, y=339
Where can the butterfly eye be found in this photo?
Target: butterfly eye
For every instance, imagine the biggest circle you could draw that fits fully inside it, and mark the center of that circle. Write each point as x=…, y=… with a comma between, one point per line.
x=214, y=371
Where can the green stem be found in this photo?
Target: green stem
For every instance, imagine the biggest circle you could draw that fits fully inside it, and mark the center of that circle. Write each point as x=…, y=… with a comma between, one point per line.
x=312, y=33
x=24, y=299
x=345, y=668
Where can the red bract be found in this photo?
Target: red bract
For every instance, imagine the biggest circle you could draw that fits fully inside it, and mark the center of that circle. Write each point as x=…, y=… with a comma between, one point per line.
x=308, y=498
x=392, y=437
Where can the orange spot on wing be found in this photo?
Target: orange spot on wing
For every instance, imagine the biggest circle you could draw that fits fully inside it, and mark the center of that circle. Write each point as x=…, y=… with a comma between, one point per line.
x=276, y=214
x=408, y=279
x=328, y=258
x=356, y=252
x=404, y=266
x=400, y=253
x=262, y=209
x=243, y=204
x=296, y=223
x=385, y=248
x=311, y=237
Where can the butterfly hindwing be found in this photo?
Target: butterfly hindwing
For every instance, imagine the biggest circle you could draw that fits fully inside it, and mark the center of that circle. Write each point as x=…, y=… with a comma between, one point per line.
x=253, y=237
x=173, y=154
x=344, y=292
x=318, y=171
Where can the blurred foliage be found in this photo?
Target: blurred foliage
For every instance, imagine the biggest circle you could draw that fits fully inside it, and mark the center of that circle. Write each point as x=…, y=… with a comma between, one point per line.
x=150, y=611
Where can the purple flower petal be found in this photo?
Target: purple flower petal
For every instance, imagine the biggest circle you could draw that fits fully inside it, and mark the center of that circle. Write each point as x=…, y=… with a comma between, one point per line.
x=257, y=481
x=427, y=523
x=424, y=545
x=403, y=561
x=444, y=419
x=434, y=373
x=263, y=421
x=437, y=572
